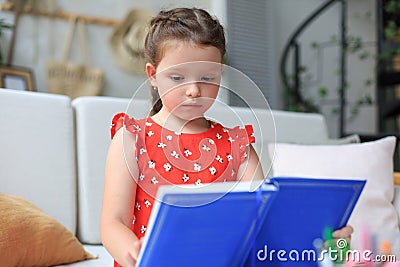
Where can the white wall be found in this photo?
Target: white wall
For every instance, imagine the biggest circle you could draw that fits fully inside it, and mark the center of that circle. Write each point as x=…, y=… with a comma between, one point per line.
x=41, y=39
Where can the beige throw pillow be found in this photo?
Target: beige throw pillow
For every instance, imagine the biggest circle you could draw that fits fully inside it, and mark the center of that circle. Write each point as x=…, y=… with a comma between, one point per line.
x=29, y=237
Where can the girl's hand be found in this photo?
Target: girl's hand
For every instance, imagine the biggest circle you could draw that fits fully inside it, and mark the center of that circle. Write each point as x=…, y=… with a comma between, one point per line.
x=344, y=232
x=130, y=261
x=131, y=257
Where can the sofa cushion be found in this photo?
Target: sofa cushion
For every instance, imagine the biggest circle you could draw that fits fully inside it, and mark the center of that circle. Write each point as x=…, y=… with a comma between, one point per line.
x=38, y=152
x=372, y=161
x=267, y=162
x=104, y=259
x=29, y=237
x=93, y=116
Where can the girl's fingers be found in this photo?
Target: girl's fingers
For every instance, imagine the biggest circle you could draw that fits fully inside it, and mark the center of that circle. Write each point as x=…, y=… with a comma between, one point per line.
x=130, y=260
x=345, y=232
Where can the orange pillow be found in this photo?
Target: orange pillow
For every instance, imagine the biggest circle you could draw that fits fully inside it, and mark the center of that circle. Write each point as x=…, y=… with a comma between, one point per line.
x=29, y=237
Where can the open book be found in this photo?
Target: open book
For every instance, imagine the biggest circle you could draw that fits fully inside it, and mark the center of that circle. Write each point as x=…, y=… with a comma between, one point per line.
x=302, y=210
x=227, y=224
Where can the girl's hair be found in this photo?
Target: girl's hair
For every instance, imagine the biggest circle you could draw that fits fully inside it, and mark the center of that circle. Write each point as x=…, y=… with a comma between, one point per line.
x=184, y=24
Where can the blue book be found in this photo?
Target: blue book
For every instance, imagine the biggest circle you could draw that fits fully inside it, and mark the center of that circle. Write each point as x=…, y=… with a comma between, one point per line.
x=301, y=212
x=239, y=224
x=211, y=225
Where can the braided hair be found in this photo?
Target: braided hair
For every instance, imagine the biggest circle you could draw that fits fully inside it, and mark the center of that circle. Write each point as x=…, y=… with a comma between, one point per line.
x=184, y=24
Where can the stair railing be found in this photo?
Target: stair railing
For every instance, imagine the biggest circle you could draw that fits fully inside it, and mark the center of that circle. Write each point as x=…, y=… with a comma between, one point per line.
x=293, y=45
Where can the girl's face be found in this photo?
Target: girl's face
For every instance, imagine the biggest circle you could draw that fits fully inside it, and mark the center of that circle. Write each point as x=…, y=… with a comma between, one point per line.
x=187, y=78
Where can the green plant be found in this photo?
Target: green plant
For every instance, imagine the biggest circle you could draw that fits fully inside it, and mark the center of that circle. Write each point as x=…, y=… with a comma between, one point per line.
x=3, y=26
x=392, y=9
x=317, y=96
x=391, y=33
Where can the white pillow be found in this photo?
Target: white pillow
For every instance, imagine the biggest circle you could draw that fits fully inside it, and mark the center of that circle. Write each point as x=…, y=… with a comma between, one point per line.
x=372, y=161
x=261, y=149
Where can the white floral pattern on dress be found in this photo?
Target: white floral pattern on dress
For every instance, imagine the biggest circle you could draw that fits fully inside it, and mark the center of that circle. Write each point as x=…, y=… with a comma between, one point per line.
x=162, y=145
x=174, y=154
x=152, y=164
x=206, y=148
x=212, y=170
x=167, y=167
x=142, y=150
x=147, y=203
x=185, y=178
x=187, y=152
x=154, y=180
x=197, y=167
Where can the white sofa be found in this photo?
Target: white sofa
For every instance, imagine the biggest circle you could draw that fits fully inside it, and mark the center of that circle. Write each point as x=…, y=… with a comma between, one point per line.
x=53, y=150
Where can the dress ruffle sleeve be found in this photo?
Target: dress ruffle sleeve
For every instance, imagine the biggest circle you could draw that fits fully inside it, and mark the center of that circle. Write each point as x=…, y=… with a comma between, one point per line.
x=247, y=139
x=122, y=119
x=250, y=133
x=244, y=137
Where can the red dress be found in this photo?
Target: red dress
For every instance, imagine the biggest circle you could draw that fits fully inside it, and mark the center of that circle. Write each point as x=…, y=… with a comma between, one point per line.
x=166, y=157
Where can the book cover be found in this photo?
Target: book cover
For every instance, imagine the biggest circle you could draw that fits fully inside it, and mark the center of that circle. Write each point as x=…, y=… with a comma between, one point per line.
x=301, y=211
x=212, y=225
x=238, y=224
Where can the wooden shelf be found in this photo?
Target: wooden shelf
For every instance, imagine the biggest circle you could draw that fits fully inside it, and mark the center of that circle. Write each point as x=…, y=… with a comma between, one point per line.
x=396, y=178
x=63, y=15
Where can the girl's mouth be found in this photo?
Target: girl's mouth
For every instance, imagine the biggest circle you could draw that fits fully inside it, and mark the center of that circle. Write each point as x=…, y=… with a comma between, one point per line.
x=192, y=105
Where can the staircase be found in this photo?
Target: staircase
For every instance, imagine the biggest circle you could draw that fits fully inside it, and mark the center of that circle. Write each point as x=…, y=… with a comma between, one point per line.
x=293, y=85
x=388, y=81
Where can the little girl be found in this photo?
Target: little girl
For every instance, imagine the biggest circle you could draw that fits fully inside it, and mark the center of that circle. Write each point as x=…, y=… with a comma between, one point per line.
x=176, y=144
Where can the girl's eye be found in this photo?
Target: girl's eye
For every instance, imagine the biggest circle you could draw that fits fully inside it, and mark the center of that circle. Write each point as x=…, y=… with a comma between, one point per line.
x=176, y=78
x=208, y=78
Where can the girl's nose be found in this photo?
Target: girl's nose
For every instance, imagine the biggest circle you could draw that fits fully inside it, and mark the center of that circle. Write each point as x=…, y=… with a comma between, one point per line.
x=193, y=90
